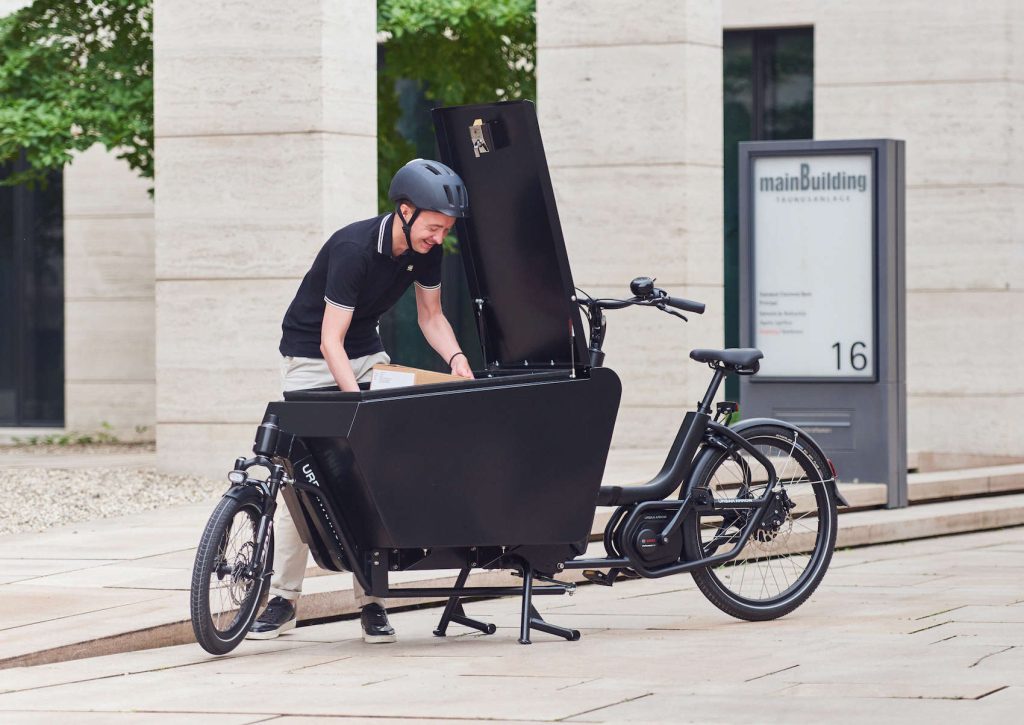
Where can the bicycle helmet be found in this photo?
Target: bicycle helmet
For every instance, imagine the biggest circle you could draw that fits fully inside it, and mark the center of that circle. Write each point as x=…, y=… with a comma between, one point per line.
x=431, y=186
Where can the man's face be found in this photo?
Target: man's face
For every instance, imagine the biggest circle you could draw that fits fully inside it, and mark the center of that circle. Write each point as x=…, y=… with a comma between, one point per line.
x=429, y=229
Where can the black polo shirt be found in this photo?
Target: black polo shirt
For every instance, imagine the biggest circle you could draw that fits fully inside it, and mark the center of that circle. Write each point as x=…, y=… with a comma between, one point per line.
x=355, y=270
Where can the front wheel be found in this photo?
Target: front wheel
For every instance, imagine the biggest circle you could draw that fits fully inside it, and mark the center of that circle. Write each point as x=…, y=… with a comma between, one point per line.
x=788, y=552
x=228, y=579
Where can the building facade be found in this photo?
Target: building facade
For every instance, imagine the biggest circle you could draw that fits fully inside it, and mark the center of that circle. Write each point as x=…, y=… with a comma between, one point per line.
x=266, y=130
x=100, y=375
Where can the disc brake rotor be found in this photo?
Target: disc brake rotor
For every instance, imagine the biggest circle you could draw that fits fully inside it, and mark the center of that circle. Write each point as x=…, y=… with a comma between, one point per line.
x=774, y=517
x=241, y=580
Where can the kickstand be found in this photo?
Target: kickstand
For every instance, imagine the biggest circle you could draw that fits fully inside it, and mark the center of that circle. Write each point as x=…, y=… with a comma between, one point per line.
x=531, y=618
x=453, y=612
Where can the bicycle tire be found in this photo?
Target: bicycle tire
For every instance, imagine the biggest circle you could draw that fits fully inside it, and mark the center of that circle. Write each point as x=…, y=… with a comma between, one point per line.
x=776, y=551
x=217, y=546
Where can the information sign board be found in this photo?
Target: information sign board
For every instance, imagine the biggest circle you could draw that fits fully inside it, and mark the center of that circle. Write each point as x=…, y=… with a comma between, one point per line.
x=813, y=232
x=822, y=295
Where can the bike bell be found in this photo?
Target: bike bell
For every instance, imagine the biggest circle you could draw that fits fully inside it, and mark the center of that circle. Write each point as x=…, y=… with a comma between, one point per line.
x=642, y=287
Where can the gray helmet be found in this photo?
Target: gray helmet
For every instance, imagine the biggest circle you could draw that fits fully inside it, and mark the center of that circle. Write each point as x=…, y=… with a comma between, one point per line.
x=431, y=186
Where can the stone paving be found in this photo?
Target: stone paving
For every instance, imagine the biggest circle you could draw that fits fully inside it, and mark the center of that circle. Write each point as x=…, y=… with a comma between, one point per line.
x=930, y=630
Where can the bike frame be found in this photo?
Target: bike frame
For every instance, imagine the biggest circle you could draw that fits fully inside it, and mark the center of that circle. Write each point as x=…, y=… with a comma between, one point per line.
x=696, y=432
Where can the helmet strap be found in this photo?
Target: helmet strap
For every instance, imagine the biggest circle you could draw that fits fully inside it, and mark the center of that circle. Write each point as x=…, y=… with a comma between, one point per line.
x=407, y=225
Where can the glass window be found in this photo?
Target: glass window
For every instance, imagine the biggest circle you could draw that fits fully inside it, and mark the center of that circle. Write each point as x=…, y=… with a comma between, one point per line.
x=767, y=94
x=32, y=304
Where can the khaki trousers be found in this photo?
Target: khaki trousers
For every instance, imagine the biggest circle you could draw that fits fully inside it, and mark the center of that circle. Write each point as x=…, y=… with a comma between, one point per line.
x=290, y=554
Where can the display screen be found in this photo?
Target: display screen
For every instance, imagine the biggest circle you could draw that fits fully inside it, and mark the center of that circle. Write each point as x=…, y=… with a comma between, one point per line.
x=813, y=261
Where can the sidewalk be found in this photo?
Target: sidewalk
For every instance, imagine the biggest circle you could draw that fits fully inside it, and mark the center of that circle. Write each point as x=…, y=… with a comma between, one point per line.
x=117, y=585
x=925, y=631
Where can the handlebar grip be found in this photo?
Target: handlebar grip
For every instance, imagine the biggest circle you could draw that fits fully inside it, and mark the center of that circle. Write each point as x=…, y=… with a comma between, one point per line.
x=686, y=305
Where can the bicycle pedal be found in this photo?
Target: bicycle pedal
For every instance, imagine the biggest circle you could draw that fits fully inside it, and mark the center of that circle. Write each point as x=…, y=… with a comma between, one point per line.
x=598, y=577
x=628, y=574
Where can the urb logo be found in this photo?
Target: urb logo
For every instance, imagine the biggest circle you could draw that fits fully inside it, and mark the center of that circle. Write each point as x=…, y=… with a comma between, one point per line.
x=310, y=476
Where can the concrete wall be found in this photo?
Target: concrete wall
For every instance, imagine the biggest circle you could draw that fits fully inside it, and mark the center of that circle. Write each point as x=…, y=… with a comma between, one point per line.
x=949, y=79
x=630, y=103
x=266, y=143
x=109, y=375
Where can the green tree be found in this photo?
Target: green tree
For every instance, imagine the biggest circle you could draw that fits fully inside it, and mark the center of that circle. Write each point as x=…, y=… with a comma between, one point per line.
x=457, y=51
x=73, y=74
x=453, y=52
x=76, y=73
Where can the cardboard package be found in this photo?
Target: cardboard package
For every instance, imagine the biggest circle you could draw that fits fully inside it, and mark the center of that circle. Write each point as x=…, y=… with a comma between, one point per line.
x=398, y=376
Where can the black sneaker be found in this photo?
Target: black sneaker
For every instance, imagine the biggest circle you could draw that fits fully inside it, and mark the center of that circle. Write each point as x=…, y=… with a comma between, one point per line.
x=277, y=618
x=376, y=629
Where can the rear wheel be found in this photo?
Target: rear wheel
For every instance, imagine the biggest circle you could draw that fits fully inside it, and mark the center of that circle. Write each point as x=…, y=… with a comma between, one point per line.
x=228, y=582
x=789, y=551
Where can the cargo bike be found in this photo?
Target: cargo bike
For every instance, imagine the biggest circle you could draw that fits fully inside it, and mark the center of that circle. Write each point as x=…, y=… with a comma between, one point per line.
x=505, y=471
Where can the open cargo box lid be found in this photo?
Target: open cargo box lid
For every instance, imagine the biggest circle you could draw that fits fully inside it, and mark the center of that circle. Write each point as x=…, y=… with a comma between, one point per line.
x=511, y=243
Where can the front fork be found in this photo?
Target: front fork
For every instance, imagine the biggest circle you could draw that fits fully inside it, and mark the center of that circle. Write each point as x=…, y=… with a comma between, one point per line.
x=239, y=476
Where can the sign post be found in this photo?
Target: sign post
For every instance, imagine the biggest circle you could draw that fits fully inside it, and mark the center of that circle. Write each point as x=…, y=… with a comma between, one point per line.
x=822, y=295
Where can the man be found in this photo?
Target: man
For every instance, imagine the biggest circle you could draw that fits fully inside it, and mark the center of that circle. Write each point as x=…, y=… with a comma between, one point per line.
x=330, y=337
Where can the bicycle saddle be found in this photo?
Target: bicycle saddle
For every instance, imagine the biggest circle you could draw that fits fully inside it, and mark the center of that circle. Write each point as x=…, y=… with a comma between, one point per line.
x=738, y=358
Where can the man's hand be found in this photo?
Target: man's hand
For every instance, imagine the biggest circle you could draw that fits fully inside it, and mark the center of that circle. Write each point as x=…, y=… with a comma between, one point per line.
x=460, y=367
x=438, y=332
x=332, y=346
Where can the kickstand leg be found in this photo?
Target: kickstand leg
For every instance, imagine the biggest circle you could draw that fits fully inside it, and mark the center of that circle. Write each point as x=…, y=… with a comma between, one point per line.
x=453, y=612
x=531, y=618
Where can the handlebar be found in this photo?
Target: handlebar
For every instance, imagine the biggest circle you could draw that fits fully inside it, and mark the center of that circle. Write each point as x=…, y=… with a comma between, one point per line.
x=645, y=294
x=658, y=298
x=686, y=305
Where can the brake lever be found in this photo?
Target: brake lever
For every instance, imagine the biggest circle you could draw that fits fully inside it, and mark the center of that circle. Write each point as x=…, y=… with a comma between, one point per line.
x=661, y=306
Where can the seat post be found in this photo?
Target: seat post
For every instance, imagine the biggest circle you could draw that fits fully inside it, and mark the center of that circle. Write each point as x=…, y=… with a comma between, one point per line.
x=709, y=396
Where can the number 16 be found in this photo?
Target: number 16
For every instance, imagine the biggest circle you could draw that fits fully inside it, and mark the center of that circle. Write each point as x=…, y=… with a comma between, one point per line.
x=858, y=360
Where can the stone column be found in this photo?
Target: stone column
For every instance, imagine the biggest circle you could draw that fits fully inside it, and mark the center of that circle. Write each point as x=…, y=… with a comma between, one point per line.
x=108, y=297
x=630, y=103
x=265, y=144
x=948, y=78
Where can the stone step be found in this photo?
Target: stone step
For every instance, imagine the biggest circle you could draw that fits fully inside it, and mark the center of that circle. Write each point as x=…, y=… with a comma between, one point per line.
x=965, y=483
x=862, y=528
x=931, y=486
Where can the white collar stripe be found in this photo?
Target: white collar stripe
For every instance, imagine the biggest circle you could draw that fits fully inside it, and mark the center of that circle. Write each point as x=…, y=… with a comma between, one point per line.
x=329, y=301
x=380, y=234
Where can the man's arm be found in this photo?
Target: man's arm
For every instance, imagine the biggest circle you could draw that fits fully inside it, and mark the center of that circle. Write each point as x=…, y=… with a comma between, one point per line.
x=332, y=338
x=438, y=331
